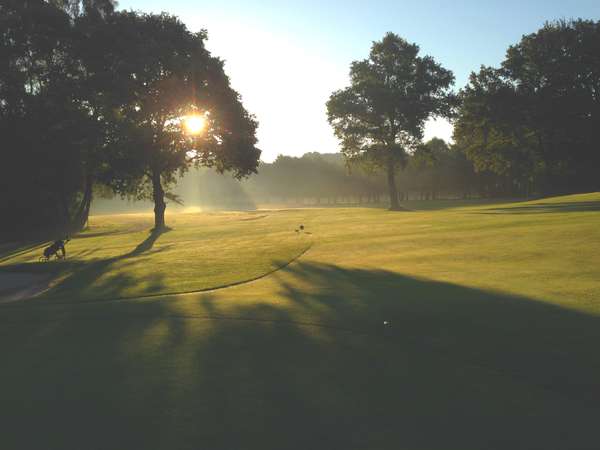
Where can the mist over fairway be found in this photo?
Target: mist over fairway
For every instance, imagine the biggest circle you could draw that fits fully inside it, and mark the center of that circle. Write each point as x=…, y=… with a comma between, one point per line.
x=491, y=311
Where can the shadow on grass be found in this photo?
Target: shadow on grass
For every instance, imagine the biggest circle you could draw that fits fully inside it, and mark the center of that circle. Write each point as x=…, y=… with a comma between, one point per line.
x=8, y=251
x=81, y=276
x=123, y=229
x=436, y=205
x=539, y=208
x=93, y=234
x=147, y=244
x=408, y=205
x=313, y=367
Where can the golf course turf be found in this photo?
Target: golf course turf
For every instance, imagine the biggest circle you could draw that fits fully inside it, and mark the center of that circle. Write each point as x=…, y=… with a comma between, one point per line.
x=457, y=325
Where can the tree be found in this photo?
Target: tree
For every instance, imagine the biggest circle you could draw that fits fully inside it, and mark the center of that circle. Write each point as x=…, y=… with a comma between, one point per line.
x=492, y=130
x=556, y=72
x=535, y=120
x=45, y=126
x=379, y=118
x=153, y=72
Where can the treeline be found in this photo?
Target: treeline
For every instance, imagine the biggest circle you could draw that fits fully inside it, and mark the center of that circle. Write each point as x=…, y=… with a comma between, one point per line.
x=436, y=171
x=92, y=96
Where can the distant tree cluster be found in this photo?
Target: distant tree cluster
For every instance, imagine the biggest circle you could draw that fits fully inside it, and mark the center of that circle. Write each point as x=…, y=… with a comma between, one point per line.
x=434, y=171
x=314, y=177
x=92, y=96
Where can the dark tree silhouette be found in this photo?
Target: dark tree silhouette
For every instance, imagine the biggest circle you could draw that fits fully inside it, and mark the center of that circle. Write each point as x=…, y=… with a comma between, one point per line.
x=45, y=123
x=536, y=119
x=89, y=95
x=490, y=129
x=153, y=72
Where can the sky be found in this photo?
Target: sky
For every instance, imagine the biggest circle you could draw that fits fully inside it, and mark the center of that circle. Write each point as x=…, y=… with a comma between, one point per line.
x=286, y=58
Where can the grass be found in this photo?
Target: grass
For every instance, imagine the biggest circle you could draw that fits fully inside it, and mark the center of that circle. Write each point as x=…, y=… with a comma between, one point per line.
x=118, y=257
x=491, y=342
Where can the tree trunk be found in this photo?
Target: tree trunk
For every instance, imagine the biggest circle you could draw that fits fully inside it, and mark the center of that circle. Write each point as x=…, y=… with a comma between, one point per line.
x=158, y=195
x=66, y=215
x=83, y=211
x=391, y=178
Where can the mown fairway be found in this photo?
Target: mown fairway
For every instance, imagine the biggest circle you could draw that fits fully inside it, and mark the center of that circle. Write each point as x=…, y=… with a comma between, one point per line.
x=491, y=340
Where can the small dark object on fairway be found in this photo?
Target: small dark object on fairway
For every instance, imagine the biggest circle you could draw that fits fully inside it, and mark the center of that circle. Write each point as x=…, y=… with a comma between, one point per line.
x=301, y=227
x=52, y=250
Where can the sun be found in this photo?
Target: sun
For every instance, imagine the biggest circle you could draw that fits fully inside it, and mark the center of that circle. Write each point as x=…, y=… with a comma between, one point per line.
x=194, y=124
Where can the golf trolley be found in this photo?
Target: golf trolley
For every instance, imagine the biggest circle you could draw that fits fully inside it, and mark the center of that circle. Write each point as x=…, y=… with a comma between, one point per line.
x=45, y=258
x=52, y=251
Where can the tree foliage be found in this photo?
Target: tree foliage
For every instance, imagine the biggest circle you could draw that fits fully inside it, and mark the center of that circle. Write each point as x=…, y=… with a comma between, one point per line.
x=44, y=123
x=537, y=117
x=435, y=170
x=152, y=75
x=89, y=95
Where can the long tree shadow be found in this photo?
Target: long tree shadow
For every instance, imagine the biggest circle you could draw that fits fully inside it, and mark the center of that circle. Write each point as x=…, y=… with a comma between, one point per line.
x=85, y=274
x=9, y=251
x=147, y=243
x=313, y=367
x=534, y=339
x=539, y=208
